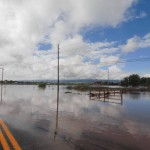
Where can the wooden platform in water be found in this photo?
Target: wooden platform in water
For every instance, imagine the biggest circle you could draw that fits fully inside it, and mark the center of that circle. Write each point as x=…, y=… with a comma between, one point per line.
x=106, y=95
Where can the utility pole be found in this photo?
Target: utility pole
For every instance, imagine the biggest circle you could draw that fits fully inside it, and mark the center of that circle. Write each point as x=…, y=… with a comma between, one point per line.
x=58, y=80
x=57, y=95
x=2, y=84
x=108, y=76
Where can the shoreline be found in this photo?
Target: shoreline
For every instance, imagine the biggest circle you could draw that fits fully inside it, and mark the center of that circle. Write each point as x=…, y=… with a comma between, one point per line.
x=123, y=89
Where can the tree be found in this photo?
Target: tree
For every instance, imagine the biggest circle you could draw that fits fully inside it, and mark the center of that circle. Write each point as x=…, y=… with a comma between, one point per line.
x=125, y=81
x=134, y=80
x=42, y=85
x=147, y=81
x=143, y=81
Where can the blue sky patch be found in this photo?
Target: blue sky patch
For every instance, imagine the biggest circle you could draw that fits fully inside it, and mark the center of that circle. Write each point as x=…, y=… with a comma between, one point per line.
x=44, y=46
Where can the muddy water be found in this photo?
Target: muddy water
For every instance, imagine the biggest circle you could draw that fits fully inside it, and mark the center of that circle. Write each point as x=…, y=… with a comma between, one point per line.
x=80, y=123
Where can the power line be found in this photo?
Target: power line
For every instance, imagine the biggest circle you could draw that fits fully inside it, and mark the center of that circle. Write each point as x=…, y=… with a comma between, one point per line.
x=126, y=61
x=122, y=61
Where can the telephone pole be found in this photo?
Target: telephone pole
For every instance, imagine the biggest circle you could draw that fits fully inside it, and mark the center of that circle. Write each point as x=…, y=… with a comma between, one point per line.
x=2, y=84
x=58, y=78
x=108, y=76
x=57, y=113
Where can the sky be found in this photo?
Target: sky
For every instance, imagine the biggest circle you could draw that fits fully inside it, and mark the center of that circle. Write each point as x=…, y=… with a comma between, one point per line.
x=94, y=36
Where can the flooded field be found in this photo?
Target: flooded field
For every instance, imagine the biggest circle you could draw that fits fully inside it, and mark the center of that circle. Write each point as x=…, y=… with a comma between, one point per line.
x=80, y=123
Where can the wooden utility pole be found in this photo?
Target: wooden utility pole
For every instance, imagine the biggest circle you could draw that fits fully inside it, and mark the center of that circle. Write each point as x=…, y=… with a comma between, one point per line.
x=57, y=113
x=57, y=89
x=2, y=85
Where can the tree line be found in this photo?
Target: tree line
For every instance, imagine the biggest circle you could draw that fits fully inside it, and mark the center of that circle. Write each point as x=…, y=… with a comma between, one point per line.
x=135, y=80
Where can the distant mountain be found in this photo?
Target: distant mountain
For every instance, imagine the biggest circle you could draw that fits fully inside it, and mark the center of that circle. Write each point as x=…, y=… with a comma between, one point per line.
x=74, y=81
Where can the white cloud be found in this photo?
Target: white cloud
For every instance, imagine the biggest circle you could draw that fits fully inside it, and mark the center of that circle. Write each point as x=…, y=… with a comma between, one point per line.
x=24, y=24
x=80, y=14
x=142, y=15
x=132, y=44
x=109, y=60
x=146, y=75
x=115, y=72
x=136, y=43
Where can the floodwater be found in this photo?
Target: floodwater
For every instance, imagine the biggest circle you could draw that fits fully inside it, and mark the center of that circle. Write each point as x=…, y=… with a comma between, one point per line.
x=80, y=124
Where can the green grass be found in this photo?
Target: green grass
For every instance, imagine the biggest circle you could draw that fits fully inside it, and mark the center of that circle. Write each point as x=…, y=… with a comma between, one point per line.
x=42, y=85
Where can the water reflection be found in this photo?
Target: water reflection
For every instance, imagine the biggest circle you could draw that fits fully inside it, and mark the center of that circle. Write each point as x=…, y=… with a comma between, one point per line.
x=57, y=119
x=1, y=93
x=109, y=100
x=78, y=123
x=135, y=95
x=115, y=97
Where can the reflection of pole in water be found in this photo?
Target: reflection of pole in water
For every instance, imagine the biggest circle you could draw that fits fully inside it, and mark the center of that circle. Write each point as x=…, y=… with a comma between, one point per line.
x=121, y=98
x=57, y=97
x=104, y=95
x=57, y=117
x=2, y=86
x=108, y=76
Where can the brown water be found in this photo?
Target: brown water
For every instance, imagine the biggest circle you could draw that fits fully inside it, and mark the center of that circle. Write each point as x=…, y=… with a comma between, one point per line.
x=83, y=124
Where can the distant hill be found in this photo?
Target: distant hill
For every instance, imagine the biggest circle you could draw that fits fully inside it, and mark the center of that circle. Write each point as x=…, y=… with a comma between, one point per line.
x=74, y=81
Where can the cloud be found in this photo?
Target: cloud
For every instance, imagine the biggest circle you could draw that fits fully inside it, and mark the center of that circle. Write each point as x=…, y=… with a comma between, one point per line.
x=132, y=44
x=146, y=75
x=136, y=43
x=109, y=60
x=115, y=72
x=141, y=15
x=25, y=24
x=80, y=14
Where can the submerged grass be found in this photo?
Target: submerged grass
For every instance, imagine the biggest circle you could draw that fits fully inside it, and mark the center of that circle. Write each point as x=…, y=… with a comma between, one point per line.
x=87, y=87
x=42, y=85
